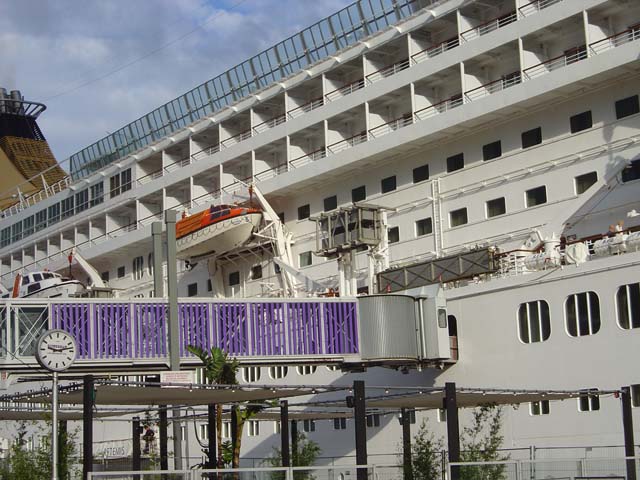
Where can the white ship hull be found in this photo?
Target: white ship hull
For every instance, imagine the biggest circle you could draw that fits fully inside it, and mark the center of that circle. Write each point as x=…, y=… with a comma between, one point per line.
x=218, y=238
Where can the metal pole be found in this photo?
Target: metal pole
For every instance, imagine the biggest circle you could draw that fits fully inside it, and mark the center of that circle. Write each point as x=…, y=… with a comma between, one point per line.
x=135, y=454
x=234, y=431
x=359, y=413
x=174, y=338
x=453, y=428
x=627, y=425
x=158, y=255
x=87, y=426
x=54, y=428
x=406, y=445
x=63, y=455
x=211, y=422
x=164, y=451
x=294, y=443
x=284, y=433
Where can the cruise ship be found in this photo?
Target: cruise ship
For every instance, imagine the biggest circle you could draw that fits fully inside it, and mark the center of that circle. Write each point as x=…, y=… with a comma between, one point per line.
x=478, y=157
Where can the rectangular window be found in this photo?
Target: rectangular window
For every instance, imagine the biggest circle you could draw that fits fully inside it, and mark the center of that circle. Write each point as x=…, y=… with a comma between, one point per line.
x=54, y=214
x=532, y=137
x=138, y=268
x=359, y=194
x=253, y=428
x=114, y=185
x=539, y=408
x=424, y=227
x=388, y=184
x=421, y=173
x=458, y=217
x=394, y=234
x=305, y=259
x=581, y=121
x=339, y=423
x=226, y=429
x=82, y=200
x=105, y=276
x=589, y=401
x=97, y=194
x=373, y=420
x=209, y=285
x=125, y=180
x=330, y=203
x=309, y=426
x=256, y=272
x=304, y=211
x=277, y=427
x=632, y=172
x=455, y=162
x=583, y=182
x=627, y=106
x=496, y=207
x=5, y=237
x=27, y=226
x=442, y=415
x=192, y=290
x=121, y=272
x=67, y=207
x=628, y=306
x=635, y=395
x=492, y=150
x=16, y=232
x=41, y=220
x=536, y=196
x=234, y=279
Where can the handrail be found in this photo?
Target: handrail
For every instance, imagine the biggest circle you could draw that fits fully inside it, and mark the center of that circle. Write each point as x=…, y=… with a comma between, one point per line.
x=389, y=70
x=348, y=142
x=271, y=172
x=307, y=107
x=440, y=107
x=311, y=157
x=489, y=26
x=536, y=6
x=503, y=83
x=580, y=53
x=345, y=89
x=208, y=151
x=629, y=35
x=435, y=50
x=237, y=138
x=391, y=125
x=268, y=124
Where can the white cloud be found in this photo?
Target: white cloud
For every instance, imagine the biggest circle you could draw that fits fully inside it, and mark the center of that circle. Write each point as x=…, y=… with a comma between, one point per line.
x=49, y=48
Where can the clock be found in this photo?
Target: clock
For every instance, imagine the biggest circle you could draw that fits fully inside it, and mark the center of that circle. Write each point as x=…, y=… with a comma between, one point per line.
x=56, y=350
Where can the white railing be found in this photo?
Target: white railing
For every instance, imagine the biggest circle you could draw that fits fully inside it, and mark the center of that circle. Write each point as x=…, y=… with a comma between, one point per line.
x=555, y=63
x=36, y=197
x=536, y=6
x=391, y=126
x=176, y=165
x=493, y=87
x=435, y=50
x=345, y=90
x=307, y=107
x=489, y=26
x=273, y=122
x=270, y=173
x=206, y=152
x=240, y=137
x=311, y=157
x=150, y=177
x=616, y=40
x=440, y=107
x=388, y=70
x=347, y=143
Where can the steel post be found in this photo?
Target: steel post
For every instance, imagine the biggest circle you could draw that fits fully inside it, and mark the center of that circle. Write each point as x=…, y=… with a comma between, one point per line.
x=453, y=428
x=135, y=453
x=359, y=413
x=54, y=427
x=284, y=433
x=164, y=451
x=87, y=426
x=158, y=255
x=406, y=445
x=211, y=441
x=627, y=425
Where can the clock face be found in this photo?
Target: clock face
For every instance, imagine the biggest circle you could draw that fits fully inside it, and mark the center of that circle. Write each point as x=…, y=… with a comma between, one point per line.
x=56, y=350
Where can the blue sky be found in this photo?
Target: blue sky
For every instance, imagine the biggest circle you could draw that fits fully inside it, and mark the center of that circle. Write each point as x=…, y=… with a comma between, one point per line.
x=51, y=48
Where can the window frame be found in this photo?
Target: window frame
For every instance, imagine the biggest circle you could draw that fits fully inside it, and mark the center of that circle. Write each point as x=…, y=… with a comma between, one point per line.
x=583, y=175
x=331, y=201
x=527, y=142
x=355, y=198
x=634, y=321
x=456, y=211
x=455, y=158
x=427, y=221
x=304, y=212
x=526, y=196
x=540, y=319
x=486, y=207
x=574, y=127
x=137, y=267
x=593, y=319
x=394, y=229
x=620, y=103
x=385, y=184
x=492, y=150
x=543, y=408
x=420, y=173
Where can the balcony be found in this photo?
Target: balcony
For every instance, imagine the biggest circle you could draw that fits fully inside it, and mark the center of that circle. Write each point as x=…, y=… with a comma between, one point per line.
x=535, y=6
x=344, y=80
x=489, y=26
x=387, y=60
x=572, y=56
x=494, y=86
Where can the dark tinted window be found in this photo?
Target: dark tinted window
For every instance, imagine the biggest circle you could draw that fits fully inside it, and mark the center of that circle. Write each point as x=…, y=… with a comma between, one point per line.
x=256, y=272
x=234, y=279
x=492, y=150
x=496, y=207
x=583, y=182
x=532, y=137
x=121, y=272
x=330, y=203
x=581, y=121
x=536, y=196
x=458, y=217
x=632, y=172
x=424, y=227
x=192, y=290
x=303, y=212
x=455, y=162
x=627, y=106
x=421, y=173
x=388, y=184
x=358, y=194
x=394, y=234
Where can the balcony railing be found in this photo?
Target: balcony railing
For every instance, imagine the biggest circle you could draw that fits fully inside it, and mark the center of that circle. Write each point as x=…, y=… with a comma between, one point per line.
x=345, y=90
x=206, y=152
x=176, y=165
x=536, y=6
x=40, y=195
x=389, y=70
x=616, y=40
x=435, y=50
x=393, y=125
x=348, y=142
x=272, y=122
x=307, y=107
x=308, y=158
x=237, y=138
x=576, y=54
x=440, y=107
x=495, y=86
x=271, y=172
x=490, y=26
x=149, y=177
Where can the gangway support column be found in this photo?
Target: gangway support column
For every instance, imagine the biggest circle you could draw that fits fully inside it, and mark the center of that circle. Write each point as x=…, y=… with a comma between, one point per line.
x=135, y=451
x=627, y=425
x=453, y=427
x=213, y=435
x=87, y=426
x=407, y=466
x=360, y=416
x=284, y=433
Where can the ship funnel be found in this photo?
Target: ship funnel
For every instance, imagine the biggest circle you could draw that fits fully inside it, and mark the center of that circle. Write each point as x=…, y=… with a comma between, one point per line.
x=17, y=106
x=3, y=95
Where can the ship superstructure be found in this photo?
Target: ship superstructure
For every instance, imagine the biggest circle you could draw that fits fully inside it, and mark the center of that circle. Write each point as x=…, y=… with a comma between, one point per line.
x=497, y=141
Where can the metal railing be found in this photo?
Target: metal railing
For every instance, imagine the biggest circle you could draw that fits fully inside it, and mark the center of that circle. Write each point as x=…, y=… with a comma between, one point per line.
x=616, y=40
x=391, y=126
x=308, y=158
x=207, y=152
x=579, y=53
x=307, y=107
x=389, y=70
x=536, y=6
x=440, y=107
x=435, y=50
x=348, y=142
x=494, y=86
x=176, y=165
x=271, y=172
x=345, y=90
x=237, y=138
x=490, y=26
x=29, y=201
x=268, y=124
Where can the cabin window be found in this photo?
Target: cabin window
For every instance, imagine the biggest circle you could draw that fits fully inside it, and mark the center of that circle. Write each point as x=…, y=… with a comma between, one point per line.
x=304, y=211
x=581, y=121
x=26, y=280
x=277, y=427
x=589, y=400
x=583, y=182
x=278, y=372
x=373, y=420
x=536, y=196
x=339, y=423
x=281, y=217
x=121, y=272
x=251, y=374
x=192, y=290
x=105, y=276
x=256, y=272
x=309, y=425
x=54, y=214
x=234, y=279
x=492, y=150
x=97, y=194
x=34, y=287
x=114, y=185
x=421, y=173
x=393, y=234
x=388, y=184
x=37, y=277
x=455, y=162
x=330, y=203
x=41, y=220
x=635, y=395
x=534, y=323
x=138, y=267
x=442, y=415
x=359, y=194
x=582, y=314
x=539, y=408
x=628, y=306
x=82, y=200
x=253, y=428
x=306, y=369
x=424, y=227
x=226, y=429
x=5, y=237
x=627, y=107
x=204, y=431
x=67, y=207
x=632, y=172
x=496, y=207
x=16, y=231
x=150, y=264
x=209, y=285
x=458, y=217
x=27, y=226
x=305, y=259
x=532, y=137
x=125, y=180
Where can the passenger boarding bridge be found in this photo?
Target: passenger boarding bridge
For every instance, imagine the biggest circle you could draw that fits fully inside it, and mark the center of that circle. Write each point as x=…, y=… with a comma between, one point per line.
x=111, y=335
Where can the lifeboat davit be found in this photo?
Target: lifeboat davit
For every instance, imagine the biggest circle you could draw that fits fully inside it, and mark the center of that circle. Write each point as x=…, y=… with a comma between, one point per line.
x=215, y=231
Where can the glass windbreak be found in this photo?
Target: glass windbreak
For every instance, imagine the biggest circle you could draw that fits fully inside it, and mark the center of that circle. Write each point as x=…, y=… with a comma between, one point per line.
x=29, y=323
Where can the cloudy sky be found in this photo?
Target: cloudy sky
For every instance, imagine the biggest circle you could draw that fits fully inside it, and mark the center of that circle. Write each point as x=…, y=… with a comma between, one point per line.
x=92, y=62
